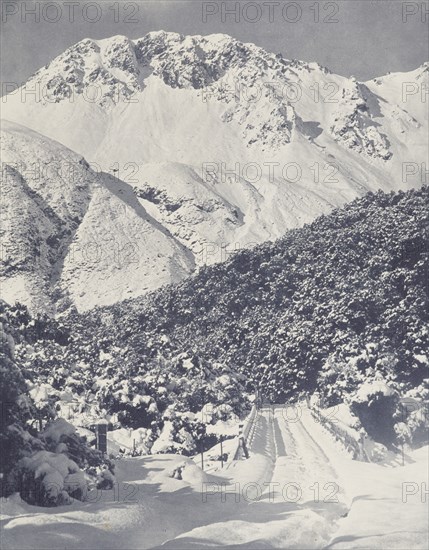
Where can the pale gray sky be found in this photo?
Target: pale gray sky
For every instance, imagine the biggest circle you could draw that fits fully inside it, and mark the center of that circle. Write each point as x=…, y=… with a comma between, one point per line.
x=365, y=38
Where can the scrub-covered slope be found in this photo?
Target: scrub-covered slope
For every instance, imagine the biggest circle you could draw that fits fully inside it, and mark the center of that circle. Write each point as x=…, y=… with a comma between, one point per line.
x=347, y=291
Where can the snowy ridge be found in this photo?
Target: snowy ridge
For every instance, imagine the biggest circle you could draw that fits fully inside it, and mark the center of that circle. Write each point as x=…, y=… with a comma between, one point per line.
x=223, y=144
x=265, y=94
x=72, y=236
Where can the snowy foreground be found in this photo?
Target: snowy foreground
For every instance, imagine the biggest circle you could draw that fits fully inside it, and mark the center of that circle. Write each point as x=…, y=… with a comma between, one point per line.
x=297, y=490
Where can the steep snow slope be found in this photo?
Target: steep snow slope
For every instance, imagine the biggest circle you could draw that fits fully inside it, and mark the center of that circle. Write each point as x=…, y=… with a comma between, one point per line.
x=403, y=107
x=225, y=143
x=408, y=90
x=70, y=233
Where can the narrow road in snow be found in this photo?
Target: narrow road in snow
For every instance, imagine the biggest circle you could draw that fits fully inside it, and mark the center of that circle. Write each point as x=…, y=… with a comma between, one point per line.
x=287, y=493
x=301, y=470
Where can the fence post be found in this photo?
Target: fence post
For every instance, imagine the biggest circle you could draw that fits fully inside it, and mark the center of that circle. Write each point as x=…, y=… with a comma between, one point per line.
x=102, y=436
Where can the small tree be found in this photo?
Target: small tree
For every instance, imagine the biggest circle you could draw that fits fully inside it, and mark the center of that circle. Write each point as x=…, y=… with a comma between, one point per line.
x=16, y=440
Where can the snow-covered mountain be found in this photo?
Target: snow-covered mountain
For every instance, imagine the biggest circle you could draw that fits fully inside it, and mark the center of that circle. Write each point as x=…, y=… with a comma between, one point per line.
x=71, y=234
x=217, y=145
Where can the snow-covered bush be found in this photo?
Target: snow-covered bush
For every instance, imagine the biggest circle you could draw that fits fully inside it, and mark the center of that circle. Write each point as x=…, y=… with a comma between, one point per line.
x=375, y=403
x=412, y=416
x=338, y=378
x=63, y=469
x=50, y=479
x=376, y=452
x=132, y=442
x=61, y=437
x=418, y=427
x=180, y=434
x=105, y=479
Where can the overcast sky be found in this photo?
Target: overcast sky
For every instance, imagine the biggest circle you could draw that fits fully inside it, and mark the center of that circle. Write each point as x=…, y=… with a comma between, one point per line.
x=364, y=38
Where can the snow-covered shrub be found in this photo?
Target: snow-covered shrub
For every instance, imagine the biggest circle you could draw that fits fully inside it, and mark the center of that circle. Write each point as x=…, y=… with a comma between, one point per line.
x=413, y=416
x=63, y=469
x=375, y=451
x=50, y=479
x=133, y=442
x=56, y=431
x=164, y=443
x=418, y=427
x=181, y=434
x=138, y=412
x=338, y=378
x=375, y=403
x=105, y=479
x=44, y=397
x=61, y=437
x=176, y=473
x=403, y=433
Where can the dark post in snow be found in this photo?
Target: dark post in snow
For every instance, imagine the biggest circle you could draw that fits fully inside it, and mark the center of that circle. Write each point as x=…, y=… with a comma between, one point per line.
x=221, y=450
x=401, y=439
x=202, y=416
x=257, y=397
x=241, y=440
x=361, y=445
x=102, y=436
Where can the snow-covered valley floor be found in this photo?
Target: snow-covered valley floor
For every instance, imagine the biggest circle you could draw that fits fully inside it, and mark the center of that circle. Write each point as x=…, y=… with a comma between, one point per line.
x=297, y=490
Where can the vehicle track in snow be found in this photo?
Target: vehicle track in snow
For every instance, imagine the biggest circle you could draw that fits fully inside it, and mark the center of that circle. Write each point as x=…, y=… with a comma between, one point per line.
x=294, y=497
x=302, y=473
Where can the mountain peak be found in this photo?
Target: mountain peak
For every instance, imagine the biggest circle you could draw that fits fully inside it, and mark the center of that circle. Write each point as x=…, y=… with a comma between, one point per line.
x=118, y=65
x=164, y=35
x=218, y=142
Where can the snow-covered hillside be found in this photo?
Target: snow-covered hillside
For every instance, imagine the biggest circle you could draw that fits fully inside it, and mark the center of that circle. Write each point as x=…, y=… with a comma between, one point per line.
x=71, y=234
x=223, y=144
